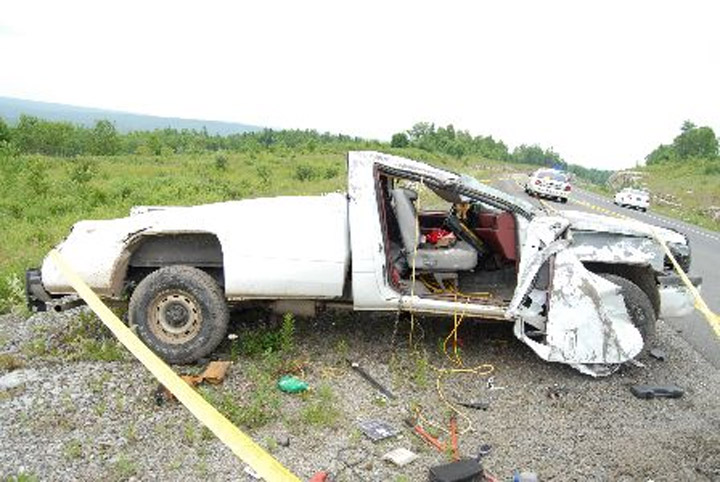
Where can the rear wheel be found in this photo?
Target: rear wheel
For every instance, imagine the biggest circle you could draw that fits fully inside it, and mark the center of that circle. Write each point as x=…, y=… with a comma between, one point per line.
x=639, y=307
x=180, y=313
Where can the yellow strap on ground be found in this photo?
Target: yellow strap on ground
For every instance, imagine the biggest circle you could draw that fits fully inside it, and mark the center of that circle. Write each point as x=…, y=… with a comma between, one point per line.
x=242, y=445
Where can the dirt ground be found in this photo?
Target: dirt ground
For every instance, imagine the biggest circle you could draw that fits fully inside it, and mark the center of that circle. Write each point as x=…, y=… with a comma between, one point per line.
x=91, y=420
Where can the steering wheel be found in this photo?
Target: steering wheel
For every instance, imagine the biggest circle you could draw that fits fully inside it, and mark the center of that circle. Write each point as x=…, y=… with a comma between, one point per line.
x=461, y=230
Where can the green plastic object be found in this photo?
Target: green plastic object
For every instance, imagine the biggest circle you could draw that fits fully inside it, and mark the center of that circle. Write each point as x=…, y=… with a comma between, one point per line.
x=291, y=384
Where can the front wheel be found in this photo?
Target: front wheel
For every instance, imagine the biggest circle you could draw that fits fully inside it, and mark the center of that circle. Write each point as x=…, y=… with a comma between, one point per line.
x=180, y=313
x=639, y=307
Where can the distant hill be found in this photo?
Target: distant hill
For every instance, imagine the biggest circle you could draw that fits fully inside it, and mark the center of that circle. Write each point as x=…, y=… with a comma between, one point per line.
x=11, y=110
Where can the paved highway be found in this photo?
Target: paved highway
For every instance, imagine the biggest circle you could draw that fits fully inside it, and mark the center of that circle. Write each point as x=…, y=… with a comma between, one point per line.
x=705, y=246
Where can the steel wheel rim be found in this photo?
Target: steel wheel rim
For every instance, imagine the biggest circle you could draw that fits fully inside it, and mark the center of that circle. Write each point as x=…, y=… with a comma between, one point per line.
x=174, y=317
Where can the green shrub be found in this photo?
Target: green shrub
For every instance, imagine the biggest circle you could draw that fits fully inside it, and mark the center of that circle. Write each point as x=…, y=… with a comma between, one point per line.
x=12, y=295
x=221, y=162
x=712, y=169
x=82, y=170
x=305, y=172
x=331, y=172
x=321, y=410
x=262, y=340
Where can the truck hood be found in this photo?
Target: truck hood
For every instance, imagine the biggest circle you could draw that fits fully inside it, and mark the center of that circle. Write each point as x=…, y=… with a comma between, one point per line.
x=583, y=221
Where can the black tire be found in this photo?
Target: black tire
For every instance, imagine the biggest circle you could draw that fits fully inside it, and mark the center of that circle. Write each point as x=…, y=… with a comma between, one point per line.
x=639, y=307
x=180, y=313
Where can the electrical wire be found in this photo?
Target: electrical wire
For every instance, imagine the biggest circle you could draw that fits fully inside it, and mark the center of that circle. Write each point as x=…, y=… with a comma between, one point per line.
x=481, y=370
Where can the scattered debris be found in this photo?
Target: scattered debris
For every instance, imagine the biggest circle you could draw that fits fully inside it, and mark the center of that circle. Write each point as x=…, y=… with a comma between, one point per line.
x=484, y=451
x=657, y=391
x=356, y=366
x=214, y=373
x=17, y=378
x=283, y=440
x=251, y=473
x=400, y=456
x=434, y=441
x=377, y=429
x=658, y=354
x=491, y=384
x=525, y=477
x=466, y=470
x=557, y=391
x=475, y=405
x=321, y=476
x=291, y=384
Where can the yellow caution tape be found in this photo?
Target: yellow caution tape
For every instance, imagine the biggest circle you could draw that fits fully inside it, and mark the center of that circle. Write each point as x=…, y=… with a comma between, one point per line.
x=243, y=446
x=700, y=305
x=712, y=318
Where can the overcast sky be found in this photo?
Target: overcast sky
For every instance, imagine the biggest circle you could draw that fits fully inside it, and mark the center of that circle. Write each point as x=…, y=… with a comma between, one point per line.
x=603, y=83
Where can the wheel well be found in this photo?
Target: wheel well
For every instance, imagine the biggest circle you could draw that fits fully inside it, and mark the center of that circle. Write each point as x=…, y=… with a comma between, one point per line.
x=151, y=252
x=643, y=276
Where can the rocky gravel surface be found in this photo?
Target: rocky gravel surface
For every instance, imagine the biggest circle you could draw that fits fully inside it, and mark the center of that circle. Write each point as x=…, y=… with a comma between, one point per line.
x=95, y=420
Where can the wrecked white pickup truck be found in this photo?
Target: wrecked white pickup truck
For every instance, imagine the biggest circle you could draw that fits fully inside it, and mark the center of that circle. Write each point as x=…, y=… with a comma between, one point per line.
x=581, y=289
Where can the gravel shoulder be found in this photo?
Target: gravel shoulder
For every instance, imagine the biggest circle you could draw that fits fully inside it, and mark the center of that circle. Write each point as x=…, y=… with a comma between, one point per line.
x=74, y=419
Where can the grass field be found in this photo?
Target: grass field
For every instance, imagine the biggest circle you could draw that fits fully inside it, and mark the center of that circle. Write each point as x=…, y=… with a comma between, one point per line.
x=694, y=185
x=689, y=189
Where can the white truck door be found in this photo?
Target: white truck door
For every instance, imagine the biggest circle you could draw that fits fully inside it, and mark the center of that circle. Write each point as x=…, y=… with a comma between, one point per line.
x=369, y=261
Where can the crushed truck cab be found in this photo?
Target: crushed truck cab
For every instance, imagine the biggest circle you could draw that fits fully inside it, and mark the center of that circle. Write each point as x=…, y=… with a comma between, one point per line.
x=581, y=289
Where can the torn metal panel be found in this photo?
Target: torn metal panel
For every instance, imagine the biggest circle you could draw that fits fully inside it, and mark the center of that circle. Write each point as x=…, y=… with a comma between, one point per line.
x=540, y=245
x=617, y=248
x=587, y=321
x=582, y=221
x=534, y=310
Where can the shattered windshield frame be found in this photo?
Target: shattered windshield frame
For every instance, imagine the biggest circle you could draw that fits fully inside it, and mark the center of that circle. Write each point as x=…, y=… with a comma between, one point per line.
x=503, y=199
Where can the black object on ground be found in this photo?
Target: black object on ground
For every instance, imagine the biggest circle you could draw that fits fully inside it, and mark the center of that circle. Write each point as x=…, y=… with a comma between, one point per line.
x=377, y=429
x=658, y=354
x=475, y=405
x=355, y=366
x=466, y=470
x=557, y=391
x=483, y=451
x=657, y=391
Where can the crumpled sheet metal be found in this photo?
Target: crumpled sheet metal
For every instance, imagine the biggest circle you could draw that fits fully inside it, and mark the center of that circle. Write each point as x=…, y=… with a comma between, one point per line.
x=541, y=243
x=587, y=321
x=583, y=221
x=617, y=248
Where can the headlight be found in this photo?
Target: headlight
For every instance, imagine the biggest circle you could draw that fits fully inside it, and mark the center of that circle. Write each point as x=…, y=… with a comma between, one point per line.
x=681, y=252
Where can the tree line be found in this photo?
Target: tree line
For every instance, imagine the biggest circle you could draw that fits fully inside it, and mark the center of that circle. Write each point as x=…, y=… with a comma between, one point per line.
x=32, y=135
x=461, y=143
x=693, y=142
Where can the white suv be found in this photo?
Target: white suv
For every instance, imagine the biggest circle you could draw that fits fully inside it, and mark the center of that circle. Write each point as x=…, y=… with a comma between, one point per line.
x=549, y=183
x=633, y=198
